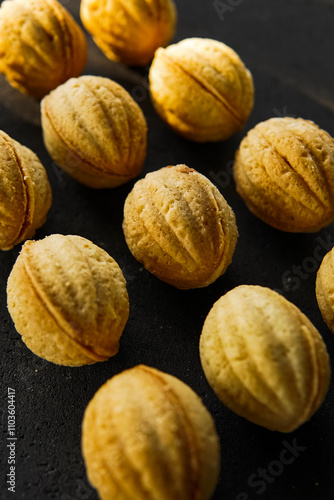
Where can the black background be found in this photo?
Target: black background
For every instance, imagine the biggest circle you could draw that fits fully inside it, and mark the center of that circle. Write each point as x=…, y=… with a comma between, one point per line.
x=288, y=46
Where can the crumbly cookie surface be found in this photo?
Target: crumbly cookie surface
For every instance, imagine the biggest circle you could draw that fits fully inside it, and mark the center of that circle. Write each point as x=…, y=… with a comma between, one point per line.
x=284, y=171
x=180, y=227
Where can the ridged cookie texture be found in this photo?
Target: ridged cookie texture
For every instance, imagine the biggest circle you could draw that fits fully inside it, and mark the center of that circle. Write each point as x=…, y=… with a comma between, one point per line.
x=41, y=45
x=284, y=171
x=264, y=359
x=202, y=89
x=68, y=300
x=325, y=289
x=25, y=193
x=95, y=131
x=129, y=31
x=146, y=435
x=180, y=227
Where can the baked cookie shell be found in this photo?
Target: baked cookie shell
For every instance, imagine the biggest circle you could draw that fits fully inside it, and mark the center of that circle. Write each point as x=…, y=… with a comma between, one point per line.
x=264, y=359
x=180, y=227
x=325, y=289
x=129, y=31
x=147, y=434
x=202, y=89
x=68, y=300
x=41, y=45
x=284, y=172
x=95, y=131
x=25, y=193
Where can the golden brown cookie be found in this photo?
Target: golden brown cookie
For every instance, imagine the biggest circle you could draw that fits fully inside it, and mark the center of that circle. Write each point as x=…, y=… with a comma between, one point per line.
x=147, y=435
x=180, y=227
x=202, y=89
x=129, y=31
x=264, y=359
x=68, y=300
x=284, y=171
x=25, y=193
x=325, y=289
x=41, y=45
x=95, y=131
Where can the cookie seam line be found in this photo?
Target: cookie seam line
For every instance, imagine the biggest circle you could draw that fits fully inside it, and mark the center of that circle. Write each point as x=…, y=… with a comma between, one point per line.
x=80, y=155
x=244, y=387
x=208, y=88
x=255, y=209
x=43, y=298
x=30, y=197
x=108, y=120
x=291, y=168
x=188, y=427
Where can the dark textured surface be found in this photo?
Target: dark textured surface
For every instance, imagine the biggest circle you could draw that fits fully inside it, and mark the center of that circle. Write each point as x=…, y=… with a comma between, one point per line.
x=288, y=45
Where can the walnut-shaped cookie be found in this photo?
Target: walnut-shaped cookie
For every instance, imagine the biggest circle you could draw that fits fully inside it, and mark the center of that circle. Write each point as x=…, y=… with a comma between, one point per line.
x=68, y=300
x=202, y=89
x=129, y=31
x=264, y=359
x=95, y=131
x=325, y=289
x=41, y=45
x=284, y=171
x=147, y=435
x=179, y=226
x=25, y=193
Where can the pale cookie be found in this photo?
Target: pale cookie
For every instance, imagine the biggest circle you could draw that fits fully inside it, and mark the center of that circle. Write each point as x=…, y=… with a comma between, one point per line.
x=264, y=359
x=325, y=289
x=95, y=131
x=68, y=300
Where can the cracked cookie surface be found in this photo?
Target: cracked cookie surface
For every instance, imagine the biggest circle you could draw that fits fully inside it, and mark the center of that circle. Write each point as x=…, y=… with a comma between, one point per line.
x=284, y=171
x=180, y=227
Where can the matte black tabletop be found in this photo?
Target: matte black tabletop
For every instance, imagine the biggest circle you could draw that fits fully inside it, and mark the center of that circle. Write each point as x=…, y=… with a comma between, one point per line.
x=288, y=45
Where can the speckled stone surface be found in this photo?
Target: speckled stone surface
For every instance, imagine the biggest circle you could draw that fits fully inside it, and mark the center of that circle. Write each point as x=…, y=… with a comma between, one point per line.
x=287, y=44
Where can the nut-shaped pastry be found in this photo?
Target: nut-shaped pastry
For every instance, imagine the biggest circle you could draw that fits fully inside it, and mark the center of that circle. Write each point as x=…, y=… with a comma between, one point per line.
x=202, y=89
x=95, y=131
x=284, y=171
x=179, y=226
x=68, y=300
x=146, y=435
x=41, y=45
x=264, y=359
x=129, y=31
x=25, y=193
x=325, y=289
